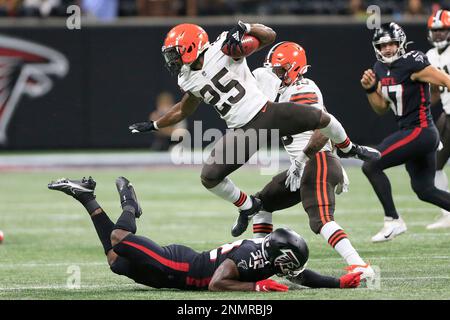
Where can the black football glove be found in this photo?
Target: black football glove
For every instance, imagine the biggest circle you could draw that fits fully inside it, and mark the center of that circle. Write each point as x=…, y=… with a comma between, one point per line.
x=142, y=127
x=234, y=37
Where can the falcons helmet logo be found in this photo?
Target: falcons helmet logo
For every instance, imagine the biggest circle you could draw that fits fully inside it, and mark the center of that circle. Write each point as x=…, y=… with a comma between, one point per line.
x=25, y=68
x=287, y=262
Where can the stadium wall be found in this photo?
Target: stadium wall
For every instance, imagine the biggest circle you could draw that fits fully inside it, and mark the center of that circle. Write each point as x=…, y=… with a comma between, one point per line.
x=116, y=71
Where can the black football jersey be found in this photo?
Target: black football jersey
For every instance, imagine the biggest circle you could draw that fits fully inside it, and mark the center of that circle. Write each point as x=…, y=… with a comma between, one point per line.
x=246, y=254
x=409, y=100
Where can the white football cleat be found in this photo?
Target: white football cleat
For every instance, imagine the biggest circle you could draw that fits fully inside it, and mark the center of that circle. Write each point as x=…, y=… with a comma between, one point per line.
x=441, y=223
x=368, y=273
x=391, y=229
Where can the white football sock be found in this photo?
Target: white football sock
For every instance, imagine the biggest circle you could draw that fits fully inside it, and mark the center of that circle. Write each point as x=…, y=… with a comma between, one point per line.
x=441, y=182
x=228, y=191
x=337, y=238
x=336, y=132
x=262, y=224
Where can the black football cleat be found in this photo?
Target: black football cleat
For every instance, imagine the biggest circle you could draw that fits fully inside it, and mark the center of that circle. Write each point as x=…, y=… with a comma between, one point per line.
x=244, y=217
x=128, y=196
x=74, y=188
x=363, y=153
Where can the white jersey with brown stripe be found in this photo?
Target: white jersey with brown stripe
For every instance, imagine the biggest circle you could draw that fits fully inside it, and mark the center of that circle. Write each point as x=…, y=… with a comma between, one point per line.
x=441, y=61
x=303, y=91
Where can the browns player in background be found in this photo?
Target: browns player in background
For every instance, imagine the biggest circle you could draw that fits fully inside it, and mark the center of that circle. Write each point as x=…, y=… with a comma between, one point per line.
x=282, y=80
x=439, y=57
x=401, y=81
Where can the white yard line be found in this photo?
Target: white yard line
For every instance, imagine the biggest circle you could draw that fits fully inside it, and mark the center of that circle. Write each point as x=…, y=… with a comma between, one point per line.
x=64, y=287
x=104, y=263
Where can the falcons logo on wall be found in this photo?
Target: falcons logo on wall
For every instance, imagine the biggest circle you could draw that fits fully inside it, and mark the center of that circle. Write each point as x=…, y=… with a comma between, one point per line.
x=25, y=69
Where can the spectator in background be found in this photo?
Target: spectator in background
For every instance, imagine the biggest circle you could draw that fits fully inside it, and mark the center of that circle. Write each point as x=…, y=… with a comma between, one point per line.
x=162, y=137
x=414, y=8
x=103, y=10
x=9, y=8
x=159, y=7
x=357, y=9
x=36, y=8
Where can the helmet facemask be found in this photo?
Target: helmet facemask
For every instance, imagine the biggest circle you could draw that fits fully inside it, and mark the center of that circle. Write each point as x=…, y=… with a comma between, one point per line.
x=439, y=38
x=386, y=34
x=173, y=60
x=400, y=51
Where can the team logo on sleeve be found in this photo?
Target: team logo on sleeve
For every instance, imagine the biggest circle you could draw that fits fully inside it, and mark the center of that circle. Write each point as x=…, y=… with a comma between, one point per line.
x=25, y=68
x=287, y=261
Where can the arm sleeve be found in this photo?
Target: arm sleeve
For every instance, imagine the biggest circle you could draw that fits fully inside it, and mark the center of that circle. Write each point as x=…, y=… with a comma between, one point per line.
x=311, y=279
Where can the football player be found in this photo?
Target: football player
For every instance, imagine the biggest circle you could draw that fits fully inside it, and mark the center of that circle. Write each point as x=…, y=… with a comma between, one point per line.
x=244, y=265
x=439, y=57
x=400, y=81
x=282, y=80
x=206, y=74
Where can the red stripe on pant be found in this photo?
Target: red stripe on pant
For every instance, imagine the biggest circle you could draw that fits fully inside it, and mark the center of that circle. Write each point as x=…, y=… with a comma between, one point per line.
x=414, y=134
x=178, y=266
x=324, y=186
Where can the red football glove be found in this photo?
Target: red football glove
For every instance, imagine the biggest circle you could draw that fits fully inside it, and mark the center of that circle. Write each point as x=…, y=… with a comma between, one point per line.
x=350, y=280
x=270, y=285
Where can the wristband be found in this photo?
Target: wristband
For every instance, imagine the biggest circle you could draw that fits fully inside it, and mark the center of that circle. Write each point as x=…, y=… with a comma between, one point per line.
x=155, y=126
x=372, y=89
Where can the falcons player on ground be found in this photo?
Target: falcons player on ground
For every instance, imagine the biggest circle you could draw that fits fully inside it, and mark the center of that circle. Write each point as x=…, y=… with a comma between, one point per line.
x=243, y=265
x=439, y=57
x=401, y=81
x=206, y=74
x=282, y=80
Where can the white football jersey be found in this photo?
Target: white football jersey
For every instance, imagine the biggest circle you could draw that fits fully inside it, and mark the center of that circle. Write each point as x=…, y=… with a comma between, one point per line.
x=226, y=84
x=303, y=91
x=442, y=62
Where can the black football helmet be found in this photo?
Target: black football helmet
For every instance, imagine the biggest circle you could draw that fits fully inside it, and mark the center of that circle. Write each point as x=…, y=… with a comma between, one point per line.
x=389, y=32
x=286, y=251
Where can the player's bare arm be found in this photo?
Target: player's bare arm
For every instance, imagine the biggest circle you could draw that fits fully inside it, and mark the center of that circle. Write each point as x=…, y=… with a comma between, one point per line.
x=432, y=75
x=315, y=144
x=225, y=279
x=180, y=111
x=435, y=96
x=376, y=100
x=264, y=34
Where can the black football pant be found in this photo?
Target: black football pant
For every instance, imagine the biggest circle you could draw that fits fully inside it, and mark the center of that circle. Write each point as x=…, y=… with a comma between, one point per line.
x=416, y=148
x=146, y=262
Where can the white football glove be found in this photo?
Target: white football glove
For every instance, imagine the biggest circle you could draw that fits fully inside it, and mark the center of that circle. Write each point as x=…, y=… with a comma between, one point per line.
x=295, y=172
x=343, y=186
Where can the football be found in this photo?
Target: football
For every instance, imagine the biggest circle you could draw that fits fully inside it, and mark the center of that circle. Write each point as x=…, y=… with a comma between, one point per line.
x=249, y=43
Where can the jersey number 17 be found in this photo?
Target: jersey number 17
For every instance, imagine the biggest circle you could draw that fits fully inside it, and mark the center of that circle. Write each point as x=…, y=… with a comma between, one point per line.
x=394, y=95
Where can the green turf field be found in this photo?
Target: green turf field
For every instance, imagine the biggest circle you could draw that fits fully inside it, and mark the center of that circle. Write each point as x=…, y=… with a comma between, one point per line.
x=47, y=232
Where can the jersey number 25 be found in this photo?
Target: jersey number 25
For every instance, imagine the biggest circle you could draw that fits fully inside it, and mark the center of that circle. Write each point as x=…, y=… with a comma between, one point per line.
x=394, y=94
x=225, y=89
